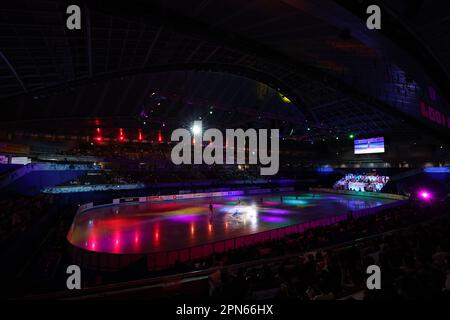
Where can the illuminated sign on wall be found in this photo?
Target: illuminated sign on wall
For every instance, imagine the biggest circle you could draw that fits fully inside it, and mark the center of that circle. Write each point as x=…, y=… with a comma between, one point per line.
x=431, y=113
x=434, y=115
x=20, y=160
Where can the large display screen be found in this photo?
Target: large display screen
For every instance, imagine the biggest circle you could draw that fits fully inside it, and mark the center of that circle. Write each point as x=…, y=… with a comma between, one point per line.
x=372, y=145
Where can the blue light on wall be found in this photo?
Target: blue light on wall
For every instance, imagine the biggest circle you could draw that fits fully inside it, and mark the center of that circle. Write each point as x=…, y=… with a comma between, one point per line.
x=437, y=170
x=325, y=169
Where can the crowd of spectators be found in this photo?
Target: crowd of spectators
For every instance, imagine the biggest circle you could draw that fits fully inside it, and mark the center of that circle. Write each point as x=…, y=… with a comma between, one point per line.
x=19, y=213
x=199, y=173
x=410, y=244
x=122, y=151
x=354, y=182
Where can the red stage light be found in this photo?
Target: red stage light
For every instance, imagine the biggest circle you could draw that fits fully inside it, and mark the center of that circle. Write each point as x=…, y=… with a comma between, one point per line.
x=98, y=136
x=121, y=135
x=160, y=137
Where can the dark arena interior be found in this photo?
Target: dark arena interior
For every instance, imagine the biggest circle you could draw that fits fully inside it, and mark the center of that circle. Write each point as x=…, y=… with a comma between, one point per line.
x=257, y=150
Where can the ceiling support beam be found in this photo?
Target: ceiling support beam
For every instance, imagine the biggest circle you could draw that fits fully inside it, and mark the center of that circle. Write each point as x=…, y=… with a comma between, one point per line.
x=150, y=49
x=5, y=59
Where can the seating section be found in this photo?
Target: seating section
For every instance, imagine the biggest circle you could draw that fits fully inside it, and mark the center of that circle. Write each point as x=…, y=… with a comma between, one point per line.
x=361, y=182
x=18, y=214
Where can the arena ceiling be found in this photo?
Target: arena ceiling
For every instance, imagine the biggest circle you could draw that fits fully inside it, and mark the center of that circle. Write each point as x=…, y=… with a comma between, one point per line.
x=341, y=77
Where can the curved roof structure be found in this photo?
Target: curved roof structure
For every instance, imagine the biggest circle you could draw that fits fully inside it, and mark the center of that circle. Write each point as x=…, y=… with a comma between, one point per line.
x=341, y=76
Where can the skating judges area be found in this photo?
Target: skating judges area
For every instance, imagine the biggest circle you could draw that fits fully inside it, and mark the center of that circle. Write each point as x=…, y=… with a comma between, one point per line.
x=185, y=227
